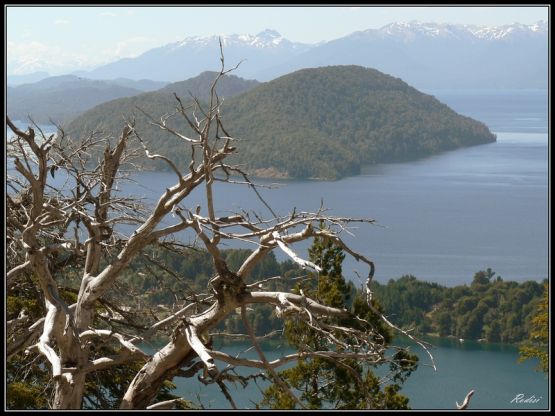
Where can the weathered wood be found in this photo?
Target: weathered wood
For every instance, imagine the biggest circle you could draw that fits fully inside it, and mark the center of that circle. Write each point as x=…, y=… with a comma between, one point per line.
x=466, y=401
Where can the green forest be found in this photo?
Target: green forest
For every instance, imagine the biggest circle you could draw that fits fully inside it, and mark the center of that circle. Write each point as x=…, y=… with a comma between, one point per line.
x=321, y=123
x=488, y=309
x=164, y=278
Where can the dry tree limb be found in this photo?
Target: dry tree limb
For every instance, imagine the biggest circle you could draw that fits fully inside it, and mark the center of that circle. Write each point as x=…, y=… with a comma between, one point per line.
x=165, y=405
x=466, y=401
x=267, y=365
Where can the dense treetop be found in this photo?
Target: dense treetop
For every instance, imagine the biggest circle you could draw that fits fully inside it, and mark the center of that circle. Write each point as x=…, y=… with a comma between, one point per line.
x=314, y=123
x=490, y=308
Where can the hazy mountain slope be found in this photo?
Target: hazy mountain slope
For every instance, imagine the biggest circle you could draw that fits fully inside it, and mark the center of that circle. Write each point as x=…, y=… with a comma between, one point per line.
x=61, y=98
x=14, y=80
x=322, y=123
x=141, y=84
x=109, y=116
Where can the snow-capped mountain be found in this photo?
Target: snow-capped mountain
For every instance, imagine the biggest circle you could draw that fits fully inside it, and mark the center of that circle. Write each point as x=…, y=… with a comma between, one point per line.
x=413, y=30
x=192, y=55
x=513, y=31
x=426, y=55
x=266, y=39
x=410, y=31
x=435, y=56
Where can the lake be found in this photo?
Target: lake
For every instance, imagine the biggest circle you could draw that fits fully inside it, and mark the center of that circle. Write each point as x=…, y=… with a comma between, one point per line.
x=444, y=218
x=490, y=370
x=441, y=219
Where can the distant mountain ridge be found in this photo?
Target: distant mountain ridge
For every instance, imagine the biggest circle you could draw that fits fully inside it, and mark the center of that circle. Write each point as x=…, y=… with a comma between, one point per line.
x=426, y=55
x=439, y=56
x=266, y=39
x=322, y=123
x=409, y=30
x=63, y=97
x=14, y=80
x=187, y=58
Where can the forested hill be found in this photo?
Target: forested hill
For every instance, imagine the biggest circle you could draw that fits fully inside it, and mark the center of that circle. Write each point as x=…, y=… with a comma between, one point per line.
x=109, y=116
x=315, y=123
x=328, y=122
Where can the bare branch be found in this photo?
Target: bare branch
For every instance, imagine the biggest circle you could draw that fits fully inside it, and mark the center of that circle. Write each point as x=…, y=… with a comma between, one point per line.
x=13, y=273
x=157, y=156
x=181, y=314
x=105, y=363
x=267, y=365
x=165, y=405
x=93, y=333
x=303, y=263
x=197, y=345
x=466, y=401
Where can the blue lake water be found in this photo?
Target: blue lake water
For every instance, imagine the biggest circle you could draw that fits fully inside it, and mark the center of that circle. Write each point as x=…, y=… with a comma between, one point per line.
x=491, y=370
x=441, y=219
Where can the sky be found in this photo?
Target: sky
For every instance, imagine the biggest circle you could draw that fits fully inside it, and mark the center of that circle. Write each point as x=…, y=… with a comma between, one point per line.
x=61, y=39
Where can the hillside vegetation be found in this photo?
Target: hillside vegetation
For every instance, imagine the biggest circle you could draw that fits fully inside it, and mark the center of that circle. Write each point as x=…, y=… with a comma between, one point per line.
x=320, y=123
x=489, y=308
x=109, y=117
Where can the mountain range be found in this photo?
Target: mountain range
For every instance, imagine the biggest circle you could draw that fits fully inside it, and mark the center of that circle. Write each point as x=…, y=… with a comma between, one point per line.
x=429, y=56
x=193, y=55
x=426, y=55
x=28, y=78
x=439, y=56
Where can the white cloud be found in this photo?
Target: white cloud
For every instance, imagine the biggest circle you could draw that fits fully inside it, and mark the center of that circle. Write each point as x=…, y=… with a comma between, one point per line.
x=60, y=22
x=26, y=34
x=26, y=57
x=131, y=47
x=127, y=48
x=108, y=14
x=31, y=56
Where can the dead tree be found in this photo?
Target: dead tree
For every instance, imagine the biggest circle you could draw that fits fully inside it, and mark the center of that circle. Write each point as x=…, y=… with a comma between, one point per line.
x=44, y=222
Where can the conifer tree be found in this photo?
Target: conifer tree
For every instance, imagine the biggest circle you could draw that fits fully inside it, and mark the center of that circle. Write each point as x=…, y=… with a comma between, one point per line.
x=321, y=382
